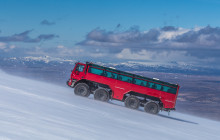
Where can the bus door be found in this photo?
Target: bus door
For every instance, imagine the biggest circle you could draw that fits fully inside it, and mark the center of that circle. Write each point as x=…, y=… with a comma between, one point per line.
x=79, y=71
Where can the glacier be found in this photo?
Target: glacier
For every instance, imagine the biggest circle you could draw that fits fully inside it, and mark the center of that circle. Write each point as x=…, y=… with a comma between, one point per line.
x=31, y=109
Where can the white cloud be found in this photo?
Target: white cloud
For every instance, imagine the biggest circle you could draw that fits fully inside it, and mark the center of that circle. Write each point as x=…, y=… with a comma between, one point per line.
x=12, y=47
x=5, y=47
x=169, y=35
x=60, y=46
x=164, y=56
x=97, y=55
x=127, y=54
x=2, y=45
x=203, y=40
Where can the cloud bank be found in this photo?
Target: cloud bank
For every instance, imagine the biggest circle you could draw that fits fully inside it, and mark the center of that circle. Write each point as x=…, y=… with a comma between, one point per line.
x=160, y=44
x=196, y=46
x=208, y=37
x=24, y=37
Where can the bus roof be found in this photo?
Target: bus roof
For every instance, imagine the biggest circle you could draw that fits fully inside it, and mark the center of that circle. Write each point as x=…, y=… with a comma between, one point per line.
x=134, y=75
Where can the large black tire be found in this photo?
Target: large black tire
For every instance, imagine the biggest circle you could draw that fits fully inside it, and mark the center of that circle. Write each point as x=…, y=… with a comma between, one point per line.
x=101, y=95
x=151, y=107
x=82, y=89
x=132, y=102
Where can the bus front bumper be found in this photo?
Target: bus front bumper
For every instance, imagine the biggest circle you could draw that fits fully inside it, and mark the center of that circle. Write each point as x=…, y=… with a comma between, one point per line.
x=71, y=82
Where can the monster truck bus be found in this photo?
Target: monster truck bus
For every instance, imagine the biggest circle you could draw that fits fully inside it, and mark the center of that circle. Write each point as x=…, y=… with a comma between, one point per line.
x=134, y=90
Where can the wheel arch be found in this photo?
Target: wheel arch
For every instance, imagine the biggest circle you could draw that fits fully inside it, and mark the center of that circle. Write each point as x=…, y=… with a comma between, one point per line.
x=143, y=97
x=94, y=86
x=80, y=81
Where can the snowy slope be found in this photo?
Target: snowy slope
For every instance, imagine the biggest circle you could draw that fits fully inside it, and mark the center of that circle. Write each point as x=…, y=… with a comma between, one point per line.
x=36, y=110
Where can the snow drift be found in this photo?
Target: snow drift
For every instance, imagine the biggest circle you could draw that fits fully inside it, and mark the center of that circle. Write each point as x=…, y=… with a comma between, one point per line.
x=36, y=110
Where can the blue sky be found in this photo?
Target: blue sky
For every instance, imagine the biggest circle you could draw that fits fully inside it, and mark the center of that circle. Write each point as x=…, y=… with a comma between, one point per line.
x=62, y=27
x=76, y=18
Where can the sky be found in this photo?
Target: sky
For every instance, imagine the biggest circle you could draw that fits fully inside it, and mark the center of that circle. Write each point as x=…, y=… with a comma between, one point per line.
x=184, y=31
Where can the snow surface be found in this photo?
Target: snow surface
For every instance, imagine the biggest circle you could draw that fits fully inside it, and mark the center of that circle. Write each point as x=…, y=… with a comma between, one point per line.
x=36, y=110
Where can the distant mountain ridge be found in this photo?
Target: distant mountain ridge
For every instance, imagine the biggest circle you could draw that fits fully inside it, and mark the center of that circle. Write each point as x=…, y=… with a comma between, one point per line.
x=171, y=67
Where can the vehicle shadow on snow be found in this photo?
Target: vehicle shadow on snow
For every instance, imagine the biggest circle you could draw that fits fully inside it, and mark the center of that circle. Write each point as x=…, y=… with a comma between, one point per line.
x=181, y=120
x=160, y=115
x=116, y=103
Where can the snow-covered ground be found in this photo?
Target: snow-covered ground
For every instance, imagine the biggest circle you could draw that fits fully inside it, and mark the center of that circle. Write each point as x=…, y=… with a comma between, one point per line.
x=35, y=110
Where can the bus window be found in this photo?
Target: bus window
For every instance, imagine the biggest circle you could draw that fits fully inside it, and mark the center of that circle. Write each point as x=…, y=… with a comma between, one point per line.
x=169, y=89
x=151, y=85
x=158, y=87
x=140, y=82
x=80, y=68
x=111, y=75
x=96, y=71
x=165, y=88
x=108, y=74
x=172, y=90
x=114, y=75
x=125, y=78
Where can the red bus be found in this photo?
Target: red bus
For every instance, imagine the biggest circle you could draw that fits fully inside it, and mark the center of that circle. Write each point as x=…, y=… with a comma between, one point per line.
x=134, y=90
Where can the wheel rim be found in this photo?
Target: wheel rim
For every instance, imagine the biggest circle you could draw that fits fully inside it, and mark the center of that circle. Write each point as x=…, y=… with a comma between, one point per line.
x=132, y=102
x=151, y=108
x=81, y=91
x=101, y=95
